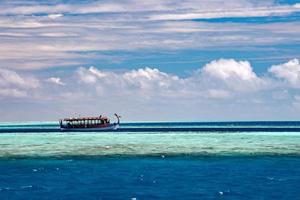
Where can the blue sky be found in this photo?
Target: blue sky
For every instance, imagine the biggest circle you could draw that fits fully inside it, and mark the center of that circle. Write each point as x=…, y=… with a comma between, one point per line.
x=150, y=60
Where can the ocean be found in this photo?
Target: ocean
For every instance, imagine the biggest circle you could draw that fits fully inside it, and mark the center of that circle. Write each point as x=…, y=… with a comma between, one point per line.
x=154, y=160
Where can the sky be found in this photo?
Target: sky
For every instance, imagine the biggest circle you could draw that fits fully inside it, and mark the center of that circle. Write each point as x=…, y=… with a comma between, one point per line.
x=150, y=60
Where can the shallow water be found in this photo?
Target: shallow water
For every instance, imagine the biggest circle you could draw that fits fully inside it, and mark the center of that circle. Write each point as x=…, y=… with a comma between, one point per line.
x=103, y=144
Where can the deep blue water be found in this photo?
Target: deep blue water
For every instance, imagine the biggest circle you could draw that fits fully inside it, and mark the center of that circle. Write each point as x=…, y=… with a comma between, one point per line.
x=180, y=177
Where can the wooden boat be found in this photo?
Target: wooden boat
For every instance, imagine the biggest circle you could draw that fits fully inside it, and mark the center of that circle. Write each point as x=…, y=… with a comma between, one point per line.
x=100, y=123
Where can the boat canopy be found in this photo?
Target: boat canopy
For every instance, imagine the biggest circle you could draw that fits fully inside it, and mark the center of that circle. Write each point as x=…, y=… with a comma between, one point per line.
x=86, y=119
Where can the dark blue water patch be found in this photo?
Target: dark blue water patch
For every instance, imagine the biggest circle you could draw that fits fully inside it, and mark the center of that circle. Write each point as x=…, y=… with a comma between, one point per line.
x=151, y=178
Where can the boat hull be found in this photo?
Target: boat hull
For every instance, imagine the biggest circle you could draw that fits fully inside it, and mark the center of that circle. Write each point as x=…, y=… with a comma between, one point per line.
x=112, y=127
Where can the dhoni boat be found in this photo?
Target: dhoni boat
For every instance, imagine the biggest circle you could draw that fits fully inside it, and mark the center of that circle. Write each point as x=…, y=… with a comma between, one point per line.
x=100, y=123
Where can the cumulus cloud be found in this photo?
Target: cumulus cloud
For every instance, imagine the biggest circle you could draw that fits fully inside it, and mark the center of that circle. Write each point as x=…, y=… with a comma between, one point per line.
x=231, y=74
x=218, y=79
x=149, y=78
x=220, y=84
x=229, y=68
x=12, y=78
x=147, y=81
x=88, y=75
x=289, y=72
x=13, y=84
x=55, y=80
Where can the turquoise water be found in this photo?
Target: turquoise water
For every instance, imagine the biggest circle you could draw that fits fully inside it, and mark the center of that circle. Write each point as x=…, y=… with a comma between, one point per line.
x=153, y=161
x=170, y=143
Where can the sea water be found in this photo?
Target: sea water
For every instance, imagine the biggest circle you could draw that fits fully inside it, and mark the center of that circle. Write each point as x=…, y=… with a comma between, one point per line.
x=151, y=164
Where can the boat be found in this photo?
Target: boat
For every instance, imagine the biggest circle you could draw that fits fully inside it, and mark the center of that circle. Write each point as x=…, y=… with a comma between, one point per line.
x=100, y=123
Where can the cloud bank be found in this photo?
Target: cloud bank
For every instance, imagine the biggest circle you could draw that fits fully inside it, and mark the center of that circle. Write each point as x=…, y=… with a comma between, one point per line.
x=220, y=83
x=219, y=77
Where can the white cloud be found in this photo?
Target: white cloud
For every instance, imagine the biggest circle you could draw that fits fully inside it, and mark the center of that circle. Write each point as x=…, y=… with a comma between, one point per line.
x=231, y=74
x=149, y=78
x=289, y=72
x=229, y=68
x=55, y=80
x=228, y=86
x=224, y=84
x=217, y=79
x=13, y=84
x=97, y=73
x=55, y=16
x=86, y=76
x=145, y=81
x=91, y=75
x=12, y=78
